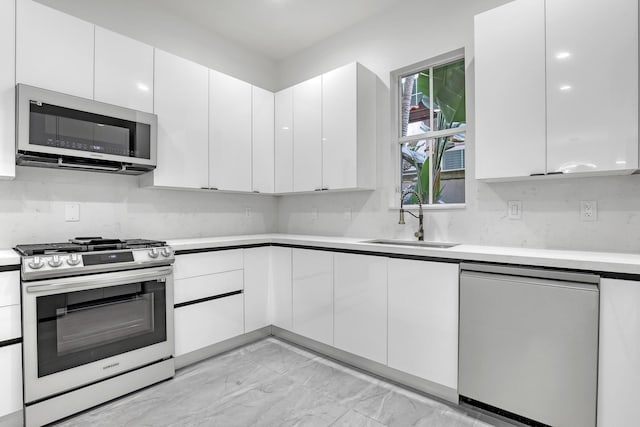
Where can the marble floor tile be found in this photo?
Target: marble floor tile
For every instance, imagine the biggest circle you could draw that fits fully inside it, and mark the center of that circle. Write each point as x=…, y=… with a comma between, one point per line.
x=271, y=383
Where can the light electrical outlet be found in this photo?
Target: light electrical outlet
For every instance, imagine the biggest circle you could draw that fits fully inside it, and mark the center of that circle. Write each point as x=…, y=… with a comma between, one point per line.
x=514, y=209
x=314, y=214
x=588, y=210
x=247, y=212
x=347, y=214
x=72, y=212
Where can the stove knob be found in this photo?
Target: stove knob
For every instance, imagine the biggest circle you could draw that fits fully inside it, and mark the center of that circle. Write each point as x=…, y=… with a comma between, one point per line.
x=74, y=259
x=153, y=253
x=35, y=263
x=55, y=261
x=166, y=252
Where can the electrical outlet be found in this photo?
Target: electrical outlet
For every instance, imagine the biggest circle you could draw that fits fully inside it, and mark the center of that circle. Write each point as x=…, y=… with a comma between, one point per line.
x=72, y=212
x=314, y=214
x=588, y=210
x=347, y=214
x=247, y=212
x=514, y=209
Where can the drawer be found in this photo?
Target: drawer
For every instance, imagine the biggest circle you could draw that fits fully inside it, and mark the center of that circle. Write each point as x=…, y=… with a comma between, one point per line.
x=194, y=288
x=9, y=288
x=199, y=264
x=10, y=326
x=200, y=325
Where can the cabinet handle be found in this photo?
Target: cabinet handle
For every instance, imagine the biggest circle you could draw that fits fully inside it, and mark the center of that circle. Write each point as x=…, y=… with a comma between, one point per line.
x=537, y=174
x=325, y=188
x=256, y=191
x=318, y=189
x=555, y=173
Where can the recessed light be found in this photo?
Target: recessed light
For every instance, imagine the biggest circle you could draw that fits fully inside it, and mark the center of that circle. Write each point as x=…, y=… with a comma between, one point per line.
x=563, y=55
x=565, y=88
x=143, y=87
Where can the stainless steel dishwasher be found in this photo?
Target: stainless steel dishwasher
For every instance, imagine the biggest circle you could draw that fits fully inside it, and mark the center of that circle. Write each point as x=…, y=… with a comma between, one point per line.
x=529, y=343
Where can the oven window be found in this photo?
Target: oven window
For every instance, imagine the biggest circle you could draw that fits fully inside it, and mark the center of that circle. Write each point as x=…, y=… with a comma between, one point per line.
x=81, y=327
x=61, y=127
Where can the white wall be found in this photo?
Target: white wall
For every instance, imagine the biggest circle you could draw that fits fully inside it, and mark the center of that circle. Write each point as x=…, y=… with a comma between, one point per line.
x=420, y=30
x=32, y=209
x=144, y=21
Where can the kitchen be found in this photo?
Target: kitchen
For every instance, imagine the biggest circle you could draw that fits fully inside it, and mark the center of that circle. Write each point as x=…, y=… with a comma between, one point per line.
x=36, y=203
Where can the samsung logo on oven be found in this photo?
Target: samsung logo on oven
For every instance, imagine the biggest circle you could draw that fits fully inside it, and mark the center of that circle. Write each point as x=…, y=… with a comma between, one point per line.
x=113, y=365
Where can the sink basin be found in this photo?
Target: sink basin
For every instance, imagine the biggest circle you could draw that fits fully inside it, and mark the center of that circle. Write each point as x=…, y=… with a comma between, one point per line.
x=414, y=243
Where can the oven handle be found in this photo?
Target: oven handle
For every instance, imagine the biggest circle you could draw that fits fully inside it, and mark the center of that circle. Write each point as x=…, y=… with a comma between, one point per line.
x=79, y=282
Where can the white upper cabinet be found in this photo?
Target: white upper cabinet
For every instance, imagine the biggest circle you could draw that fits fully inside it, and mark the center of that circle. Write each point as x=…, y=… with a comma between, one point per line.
x=181, y=102
x=229, y=133
x=592, y=85
x=510, y=90
x=54, y=50
x=307, y=135
x=123, y=71
x=262, y=153
x=360, y=305
x=348, y=128
x=556, y=88
x=7, y=91
x=283, y=164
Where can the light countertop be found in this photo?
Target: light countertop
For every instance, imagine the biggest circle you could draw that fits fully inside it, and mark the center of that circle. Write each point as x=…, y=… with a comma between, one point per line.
x=9, y=257
x=625, y=263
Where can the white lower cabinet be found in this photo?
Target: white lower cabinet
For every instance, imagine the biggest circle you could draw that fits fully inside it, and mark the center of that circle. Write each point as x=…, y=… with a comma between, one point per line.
x=423, y=320
x=10, y=379
x=280, y=288
x=256, y=287
x=207, y=323
x=313, y=294
x=360, y=305
x=619, y=355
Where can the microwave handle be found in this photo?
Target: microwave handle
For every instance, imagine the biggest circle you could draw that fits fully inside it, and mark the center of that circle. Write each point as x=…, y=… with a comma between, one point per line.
x=107, y=279
x=61, y=163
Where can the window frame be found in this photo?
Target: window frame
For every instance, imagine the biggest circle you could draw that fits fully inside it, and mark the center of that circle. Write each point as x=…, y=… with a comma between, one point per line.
x=397, y=139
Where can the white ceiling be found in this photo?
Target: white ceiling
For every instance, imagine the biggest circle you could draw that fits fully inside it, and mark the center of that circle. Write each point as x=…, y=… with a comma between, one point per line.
x=276, y=28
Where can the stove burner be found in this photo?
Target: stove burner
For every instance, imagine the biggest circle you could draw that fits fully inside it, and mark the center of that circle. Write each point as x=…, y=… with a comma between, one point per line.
x=87, y=244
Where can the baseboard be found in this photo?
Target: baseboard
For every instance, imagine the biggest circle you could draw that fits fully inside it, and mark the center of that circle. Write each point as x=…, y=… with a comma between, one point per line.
x=403, y=379
x=14, y=419
x=222, y=347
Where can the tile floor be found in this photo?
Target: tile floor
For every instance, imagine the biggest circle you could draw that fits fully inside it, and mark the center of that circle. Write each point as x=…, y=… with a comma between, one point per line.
x=272, y=383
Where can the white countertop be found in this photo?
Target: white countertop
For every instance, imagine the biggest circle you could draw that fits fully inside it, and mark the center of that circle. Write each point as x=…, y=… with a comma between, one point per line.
x=9, y=257
x=576, y=260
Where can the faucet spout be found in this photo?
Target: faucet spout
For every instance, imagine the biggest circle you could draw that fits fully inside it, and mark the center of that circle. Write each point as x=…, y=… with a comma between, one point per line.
x=420, y=233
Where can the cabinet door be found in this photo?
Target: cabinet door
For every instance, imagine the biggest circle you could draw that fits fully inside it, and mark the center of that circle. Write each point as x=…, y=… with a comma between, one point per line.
x=592, y=85
x=53, y=50
x=7, y=91
x=229, y=133
x=256, y=288
x=423, y=320
x=307, y=135
x=284, y=141
x=123, y=71
x=262, y=153
x=360, y=305
x=207, y=323
x=619, y=355
x=280, y=288
x=181, y=102
x=10, y=379
x=510, y=90
x=313, y=294
x=339, y=128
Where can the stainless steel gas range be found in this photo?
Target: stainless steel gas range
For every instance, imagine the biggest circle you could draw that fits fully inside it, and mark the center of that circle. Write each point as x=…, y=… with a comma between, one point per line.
x=97, y=318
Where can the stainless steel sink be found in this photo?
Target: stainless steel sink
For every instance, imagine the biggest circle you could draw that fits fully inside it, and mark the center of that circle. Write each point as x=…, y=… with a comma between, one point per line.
x=414, y=243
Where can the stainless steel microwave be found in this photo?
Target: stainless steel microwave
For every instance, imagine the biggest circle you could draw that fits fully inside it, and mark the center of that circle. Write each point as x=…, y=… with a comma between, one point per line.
x=57, y=130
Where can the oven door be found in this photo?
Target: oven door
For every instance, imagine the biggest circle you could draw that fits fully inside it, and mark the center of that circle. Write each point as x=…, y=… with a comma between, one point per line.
x=79, y=330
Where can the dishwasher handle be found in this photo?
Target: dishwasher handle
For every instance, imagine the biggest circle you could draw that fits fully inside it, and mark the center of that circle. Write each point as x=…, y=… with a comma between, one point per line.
x=539, y=273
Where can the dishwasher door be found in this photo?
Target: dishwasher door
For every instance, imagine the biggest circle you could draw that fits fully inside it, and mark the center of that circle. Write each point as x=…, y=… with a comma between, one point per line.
x=529, y=345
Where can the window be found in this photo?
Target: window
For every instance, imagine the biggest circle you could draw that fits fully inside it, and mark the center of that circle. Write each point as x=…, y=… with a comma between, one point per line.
x=431, y=126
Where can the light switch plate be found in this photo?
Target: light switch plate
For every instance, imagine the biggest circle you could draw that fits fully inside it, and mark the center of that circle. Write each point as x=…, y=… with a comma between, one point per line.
x=72, y=212
x=514, y=209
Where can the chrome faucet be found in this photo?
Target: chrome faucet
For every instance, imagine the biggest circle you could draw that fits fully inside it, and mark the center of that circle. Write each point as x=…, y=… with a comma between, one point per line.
x=420, y=233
